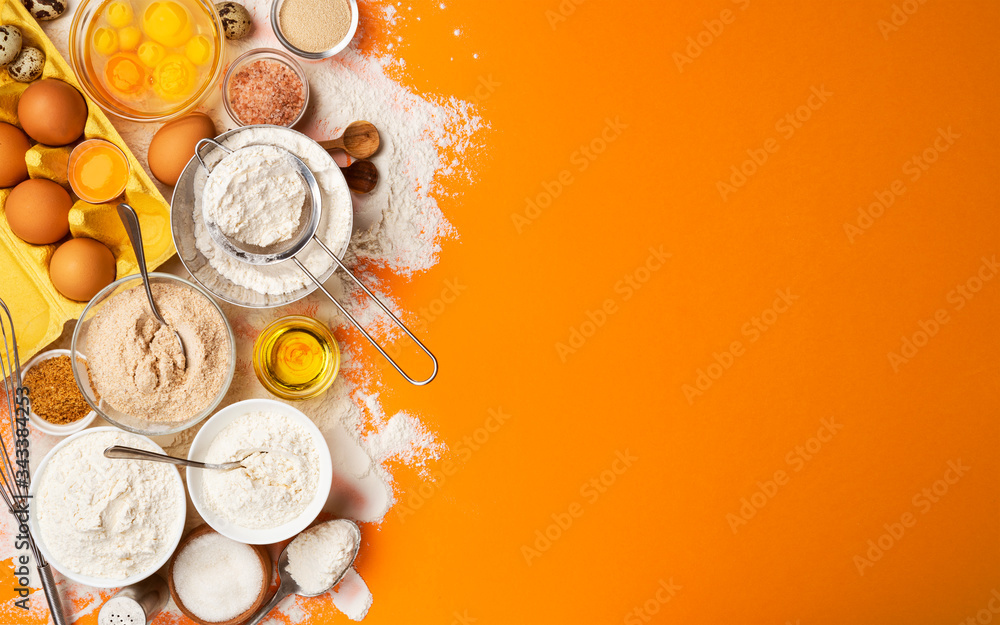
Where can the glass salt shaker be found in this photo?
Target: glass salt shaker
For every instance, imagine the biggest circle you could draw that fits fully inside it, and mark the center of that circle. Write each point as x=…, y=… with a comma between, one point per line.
x=137, y=604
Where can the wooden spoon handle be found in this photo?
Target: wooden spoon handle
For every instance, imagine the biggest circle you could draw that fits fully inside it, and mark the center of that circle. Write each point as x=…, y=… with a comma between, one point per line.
x=333, y=144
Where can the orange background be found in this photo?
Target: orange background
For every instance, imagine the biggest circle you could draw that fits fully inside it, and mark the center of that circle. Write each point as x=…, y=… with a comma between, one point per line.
x=454, y=552
x=665, y=518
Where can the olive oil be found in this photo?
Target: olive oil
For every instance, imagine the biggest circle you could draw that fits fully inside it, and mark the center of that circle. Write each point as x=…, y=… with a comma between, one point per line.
x=296, y=357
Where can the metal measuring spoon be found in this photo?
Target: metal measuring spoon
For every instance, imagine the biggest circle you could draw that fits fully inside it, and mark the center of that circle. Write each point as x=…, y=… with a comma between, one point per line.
x=289, y=586
x=118, y=452
x=131, y=222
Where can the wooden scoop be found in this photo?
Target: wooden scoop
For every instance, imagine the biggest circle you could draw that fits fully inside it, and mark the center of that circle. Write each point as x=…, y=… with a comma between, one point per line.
x=362, y=176
x=360, y=140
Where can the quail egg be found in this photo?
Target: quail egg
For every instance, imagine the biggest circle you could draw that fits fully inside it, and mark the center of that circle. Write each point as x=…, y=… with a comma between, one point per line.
x=45, y=9
x=236, y=20
x=10, y=43
x=28, y=65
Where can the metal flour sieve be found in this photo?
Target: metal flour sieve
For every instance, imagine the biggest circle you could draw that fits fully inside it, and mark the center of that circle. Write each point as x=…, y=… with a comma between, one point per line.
x=287, y=250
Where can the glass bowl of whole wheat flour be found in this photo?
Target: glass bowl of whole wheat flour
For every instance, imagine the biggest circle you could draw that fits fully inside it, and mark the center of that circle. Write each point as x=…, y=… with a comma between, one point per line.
x=137, y=380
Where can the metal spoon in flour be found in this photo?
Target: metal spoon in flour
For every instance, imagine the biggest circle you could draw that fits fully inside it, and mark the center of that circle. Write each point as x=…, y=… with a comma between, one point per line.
x=131, y=453
x=131, y=222
x=288, y=584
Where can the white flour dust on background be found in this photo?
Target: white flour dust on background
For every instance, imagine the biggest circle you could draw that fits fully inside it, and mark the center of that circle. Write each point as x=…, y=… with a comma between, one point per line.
x=427, y=143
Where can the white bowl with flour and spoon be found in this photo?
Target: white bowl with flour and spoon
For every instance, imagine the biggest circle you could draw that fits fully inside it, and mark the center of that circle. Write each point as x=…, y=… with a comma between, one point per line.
x=246, y=505
x=271, y=225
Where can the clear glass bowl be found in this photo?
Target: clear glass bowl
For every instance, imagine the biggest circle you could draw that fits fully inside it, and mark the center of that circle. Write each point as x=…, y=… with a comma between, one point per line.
x=313, y=56
x=265, y=54
x=79, y=43
x=79, y=347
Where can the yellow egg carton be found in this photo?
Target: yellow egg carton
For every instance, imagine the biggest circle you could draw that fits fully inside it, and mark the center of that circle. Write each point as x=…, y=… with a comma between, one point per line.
x=39, y=311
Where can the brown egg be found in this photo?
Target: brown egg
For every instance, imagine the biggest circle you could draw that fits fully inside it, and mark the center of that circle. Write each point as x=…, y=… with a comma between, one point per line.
x=173, y=145
x=81, y=267
x=38, y=211
x=13, y=145
x=52, y=112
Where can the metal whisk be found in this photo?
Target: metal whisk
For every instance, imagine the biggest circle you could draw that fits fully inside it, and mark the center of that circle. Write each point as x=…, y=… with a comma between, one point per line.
x=14, y=476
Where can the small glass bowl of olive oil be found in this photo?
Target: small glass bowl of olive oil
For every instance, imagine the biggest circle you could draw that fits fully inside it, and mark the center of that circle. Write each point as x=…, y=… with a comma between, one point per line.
x=296, y=357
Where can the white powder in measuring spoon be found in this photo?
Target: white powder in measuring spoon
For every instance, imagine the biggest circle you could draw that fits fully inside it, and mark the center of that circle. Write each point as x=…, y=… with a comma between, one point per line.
x=216, y=578
x=320, y=555
x=256, y=195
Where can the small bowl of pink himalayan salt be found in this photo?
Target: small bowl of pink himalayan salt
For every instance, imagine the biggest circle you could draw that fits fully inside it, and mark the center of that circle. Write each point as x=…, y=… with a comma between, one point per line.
x=265, y=86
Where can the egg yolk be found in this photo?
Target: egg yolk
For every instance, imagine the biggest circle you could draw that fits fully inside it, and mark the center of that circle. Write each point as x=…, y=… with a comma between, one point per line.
x=174, y=78
x=199, y=50
x=129, y=37
x=105, y=41
x=166, y=22
x=151, y=53
x=99, y=173
x=125, y=74
x=119, y=14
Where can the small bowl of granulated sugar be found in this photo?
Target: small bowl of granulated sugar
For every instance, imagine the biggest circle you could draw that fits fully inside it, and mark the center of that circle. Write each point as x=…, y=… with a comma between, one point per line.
x=136, y=375
x=314, y=29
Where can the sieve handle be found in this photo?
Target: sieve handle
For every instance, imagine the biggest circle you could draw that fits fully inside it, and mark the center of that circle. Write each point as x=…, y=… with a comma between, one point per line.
x=384, y=308
x=51, y=595
x=202, y=143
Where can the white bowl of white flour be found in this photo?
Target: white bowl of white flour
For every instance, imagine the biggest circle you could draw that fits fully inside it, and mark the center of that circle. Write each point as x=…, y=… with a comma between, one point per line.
x=282, y=486
x=101, y=522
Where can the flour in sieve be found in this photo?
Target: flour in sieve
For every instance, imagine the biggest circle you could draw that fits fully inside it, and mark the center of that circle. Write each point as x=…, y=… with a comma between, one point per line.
x=274, y=487
x=256, y=196
x=104, y=518
x=334, y=226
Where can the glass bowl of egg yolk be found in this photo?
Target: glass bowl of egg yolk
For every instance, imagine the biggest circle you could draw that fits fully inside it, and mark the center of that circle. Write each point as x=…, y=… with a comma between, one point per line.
x=147, y=60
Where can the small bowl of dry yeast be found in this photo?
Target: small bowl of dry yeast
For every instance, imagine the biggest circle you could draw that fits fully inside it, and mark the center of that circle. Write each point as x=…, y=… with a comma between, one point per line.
x=314, y=29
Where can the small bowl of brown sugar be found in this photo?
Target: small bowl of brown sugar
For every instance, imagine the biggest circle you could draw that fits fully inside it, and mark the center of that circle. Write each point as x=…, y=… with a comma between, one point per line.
x=57, y=405
x=265, y=86
x=314, y=29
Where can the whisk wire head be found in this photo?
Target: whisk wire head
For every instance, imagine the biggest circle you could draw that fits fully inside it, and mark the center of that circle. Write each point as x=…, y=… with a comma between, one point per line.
x=14, y=480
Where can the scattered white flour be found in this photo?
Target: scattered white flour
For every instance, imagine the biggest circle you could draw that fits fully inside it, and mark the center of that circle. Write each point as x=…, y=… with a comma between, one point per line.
x=274, y=487
x=334, y=226
x=217, y=578
x=403, y=438
x=320, y=556
x=109, y=519
x=352, y=596
x=256, y=196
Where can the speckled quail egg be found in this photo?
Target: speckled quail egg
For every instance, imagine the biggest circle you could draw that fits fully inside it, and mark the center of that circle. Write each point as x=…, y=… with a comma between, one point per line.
x=10, y=43
x=236, y=20
x=28, y=65
x=45, y=9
